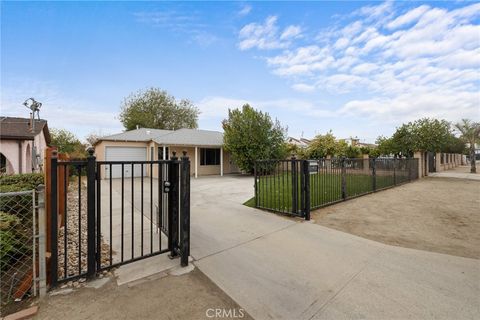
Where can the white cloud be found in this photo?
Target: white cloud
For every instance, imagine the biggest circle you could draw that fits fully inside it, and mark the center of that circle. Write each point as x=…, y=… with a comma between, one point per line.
x=191, y=25
x=267, y=35
x=217, y=107
x=302, y=87
x=291, y=32
x=245, y=10
x=420, y=62
x=213, y=107
x=409, y=17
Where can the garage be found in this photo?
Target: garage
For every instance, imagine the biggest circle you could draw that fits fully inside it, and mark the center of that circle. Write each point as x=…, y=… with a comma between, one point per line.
x=125, y=154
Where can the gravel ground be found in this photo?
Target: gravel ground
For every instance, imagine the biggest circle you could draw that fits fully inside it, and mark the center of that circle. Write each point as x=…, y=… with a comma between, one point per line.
x=435, y=214
x=76, y=237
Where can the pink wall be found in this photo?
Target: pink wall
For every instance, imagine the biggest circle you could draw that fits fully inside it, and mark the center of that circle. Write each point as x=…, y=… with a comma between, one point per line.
x=10, y=149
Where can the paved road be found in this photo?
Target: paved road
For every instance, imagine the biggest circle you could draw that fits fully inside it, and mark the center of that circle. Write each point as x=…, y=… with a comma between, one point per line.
x=280, y=268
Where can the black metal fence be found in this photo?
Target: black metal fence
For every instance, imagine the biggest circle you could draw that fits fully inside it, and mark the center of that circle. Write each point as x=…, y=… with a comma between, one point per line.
x=297, y=186
x=117, y=212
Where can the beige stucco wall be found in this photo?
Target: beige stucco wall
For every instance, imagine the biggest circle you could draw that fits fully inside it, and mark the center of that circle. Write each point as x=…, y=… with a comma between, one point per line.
x=228, y=165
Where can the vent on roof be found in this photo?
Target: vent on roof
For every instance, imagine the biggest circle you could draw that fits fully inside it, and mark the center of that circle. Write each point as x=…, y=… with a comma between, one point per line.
x=148, y=131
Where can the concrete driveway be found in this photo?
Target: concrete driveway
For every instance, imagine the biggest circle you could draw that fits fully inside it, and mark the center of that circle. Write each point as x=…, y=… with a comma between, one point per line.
x=280, y=268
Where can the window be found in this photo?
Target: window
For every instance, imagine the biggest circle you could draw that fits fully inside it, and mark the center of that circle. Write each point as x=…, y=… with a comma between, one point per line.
x=209, y=157
x=160, y=153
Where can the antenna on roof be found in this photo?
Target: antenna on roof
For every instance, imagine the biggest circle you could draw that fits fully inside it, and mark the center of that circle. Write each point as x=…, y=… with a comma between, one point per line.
x=34, y=106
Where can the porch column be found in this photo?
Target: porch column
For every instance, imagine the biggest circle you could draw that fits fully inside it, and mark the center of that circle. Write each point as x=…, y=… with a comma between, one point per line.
x=221, y=161
x=196, y=162
x=164, y=153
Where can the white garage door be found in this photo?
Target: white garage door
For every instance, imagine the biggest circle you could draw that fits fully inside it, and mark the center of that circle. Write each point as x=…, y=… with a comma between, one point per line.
x=125, y=154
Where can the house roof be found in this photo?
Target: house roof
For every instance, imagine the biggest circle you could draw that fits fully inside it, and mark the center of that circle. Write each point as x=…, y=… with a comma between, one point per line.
x=302, y=142
x=13, y=128
x=185, y=137
x=142, y=134
x=191, y=137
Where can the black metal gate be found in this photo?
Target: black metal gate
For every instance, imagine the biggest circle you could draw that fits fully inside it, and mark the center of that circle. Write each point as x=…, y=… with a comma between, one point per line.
x=117, y=212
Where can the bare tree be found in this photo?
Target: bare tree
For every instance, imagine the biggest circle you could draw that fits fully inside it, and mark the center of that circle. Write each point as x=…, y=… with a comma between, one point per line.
x=470, y=133
x=93, y=137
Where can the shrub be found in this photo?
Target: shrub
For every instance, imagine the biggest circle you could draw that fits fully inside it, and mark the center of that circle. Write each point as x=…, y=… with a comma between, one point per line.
x=16, y=216
x=12, y=236
x=20, y=182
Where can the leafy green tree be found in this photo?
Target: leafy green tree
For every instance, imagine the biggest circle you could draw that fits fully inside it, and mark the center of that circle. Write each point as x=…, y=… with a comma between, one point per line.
x=431, y=134
x=421, y=135
x=385, y=147
x=327, y=145
x=470, y=133
x=251, y=135
x=455, y=145
x=155, y=108
x=322, y=146
x=351, y=152
x=67, y=142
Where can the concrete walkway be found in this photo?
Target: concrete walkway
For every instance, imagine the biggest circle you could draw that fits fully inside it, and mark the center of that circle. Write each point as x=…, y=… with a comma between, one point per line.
x=280, y=268
x=462, y=172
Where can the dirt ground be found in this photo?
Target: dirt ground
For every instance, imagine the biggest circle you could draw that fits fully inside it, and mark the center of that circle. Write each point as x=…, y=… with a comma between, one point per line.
x=189, y=296
x=435, y=214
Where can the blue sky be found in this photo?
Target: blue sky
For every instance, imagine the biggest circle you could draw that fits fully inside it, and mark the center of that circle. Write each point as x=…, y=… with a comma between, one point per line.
x=356, y=68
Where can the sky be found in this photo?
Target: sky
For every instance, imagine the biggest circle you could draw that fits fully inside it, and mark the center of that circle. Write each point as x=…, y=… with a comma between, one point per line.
x=357, y=68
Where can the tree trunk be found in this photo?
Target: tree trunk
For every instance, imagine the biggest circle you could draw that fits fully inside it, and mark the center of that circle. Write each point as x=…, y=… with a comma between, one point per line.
x=473, y=168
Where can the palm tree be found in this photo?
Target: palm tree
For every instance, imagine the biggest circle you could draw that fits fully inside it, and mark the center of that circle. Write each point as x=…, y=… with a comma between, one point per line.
x=470, y=134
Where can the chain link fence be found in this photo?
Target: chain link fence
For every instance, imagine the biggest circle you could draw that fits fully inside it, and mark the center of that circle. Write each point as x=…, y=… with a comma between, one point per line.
x=18, y=247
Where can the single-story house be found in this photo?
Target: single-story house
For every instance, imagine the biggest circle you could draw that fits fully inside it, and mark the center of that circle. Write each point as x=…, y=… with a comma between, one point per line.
x=22, y=144
x=204, y=148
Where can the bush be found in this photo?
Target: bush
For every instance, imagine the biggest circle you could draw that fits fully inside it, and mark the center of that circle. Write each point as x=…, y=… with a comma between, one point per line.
x=20, y=182
x=16, y=216
x=12, y=234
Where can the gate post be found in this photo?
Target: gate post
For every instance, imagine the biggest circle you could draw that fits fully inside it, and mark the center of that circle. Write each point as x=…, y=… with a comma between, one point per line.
x=173, y=206
x=294, y=185
x=306, y=189
x=344, y=179
x=255, y=173
x=374, y=173
x=91, y=232
x=53, y=220
x=185, y=208
x=394, y=172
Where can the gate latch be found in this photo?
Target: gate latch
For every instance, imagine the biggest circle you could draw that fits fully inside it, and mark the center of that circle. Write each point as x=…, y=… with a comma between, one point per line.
x=166, y=186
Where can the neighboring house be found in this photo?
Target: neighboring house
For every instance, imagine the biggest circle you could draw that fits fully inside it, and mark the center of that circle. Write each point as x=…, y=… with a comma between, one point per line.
x=204, y=148
x=355, y=142
x=21, y=147
x=301, y=142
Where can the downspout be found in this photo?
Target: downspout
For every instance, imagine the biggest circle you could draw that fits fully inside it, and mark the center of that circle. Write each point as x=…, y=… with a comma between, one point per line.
x=20, y=156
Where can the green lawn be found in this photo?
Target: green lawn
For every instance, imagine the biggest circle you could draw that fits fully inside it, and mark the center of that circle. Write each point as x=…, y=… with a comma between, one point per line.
x=275, y=191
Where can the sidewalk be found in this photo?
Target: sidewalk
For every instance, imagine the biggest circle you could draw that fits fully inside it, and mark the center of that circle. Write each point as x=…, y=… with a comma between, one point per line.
x=462, y=172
